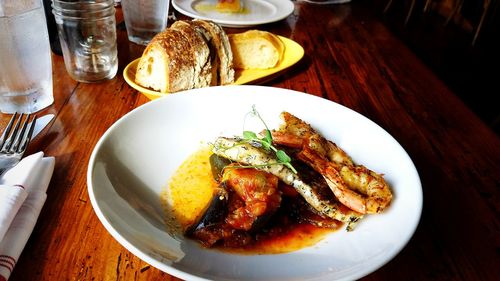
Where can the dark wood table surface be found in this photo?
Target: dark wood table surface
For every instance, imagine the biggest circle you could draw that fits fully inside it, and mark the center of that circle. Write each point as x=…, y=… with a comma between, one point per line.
x=350, y=58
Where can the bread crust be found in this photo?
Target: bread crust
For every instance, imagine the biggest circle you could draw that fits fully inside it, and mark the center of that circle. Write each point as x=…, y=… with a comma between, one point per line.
x=220, y=41
x=201, y=53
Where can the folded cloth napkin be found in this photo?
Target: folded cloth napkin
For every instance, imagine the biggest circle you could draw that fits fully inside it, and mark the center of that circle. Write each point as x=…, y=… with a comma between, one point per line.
x=22, y=195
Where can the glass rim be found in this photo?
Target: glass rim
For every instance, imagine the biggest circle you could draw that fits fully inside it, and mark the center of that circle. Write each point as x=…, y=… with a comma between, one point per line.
x=84, y=13
x=81, y=6
x=83, y=2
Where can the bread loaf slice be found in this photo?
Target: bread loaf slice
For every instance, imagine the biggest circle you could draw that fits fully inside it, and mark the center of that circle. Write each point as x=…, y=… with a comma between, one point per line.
x=201, y=53
x=189, y=54
x=223, y=56
x=214, y=59
x=167, y=64
x=255, y=49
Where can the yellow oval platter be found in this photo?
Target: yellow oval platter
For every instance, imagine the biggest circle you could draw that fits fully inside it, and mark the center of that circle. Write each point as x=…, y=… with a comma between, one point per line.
x=293, y=53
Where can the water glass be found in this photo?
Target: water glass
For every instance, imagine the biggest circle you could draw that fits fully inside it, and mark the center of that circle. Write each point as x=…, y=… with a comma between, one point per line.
x=144, y=19
x=25, y=57
x=87, y=32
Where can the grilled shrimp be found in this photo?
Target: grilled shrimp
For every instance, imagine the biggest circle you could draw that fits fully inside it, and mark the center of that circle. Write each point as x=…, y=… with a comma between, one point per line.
x=355, y=186
x=294, y=132
x=247, y=154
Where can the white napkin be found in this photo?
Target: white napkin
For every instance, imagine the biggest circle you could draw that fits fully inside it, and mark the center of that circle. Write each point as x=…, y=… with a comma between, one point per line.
x=22, y=195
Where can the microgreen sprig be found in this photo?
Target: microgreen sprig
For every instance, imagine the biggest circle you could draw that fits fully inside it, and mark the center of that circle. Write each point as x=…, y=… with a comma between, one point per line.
x=267, y=142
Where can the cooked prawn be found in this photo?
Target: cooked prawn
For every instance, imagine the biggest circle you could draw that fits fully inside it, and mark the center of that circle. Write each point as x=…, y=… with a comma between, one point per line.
x=296, y=133
x=355, y=186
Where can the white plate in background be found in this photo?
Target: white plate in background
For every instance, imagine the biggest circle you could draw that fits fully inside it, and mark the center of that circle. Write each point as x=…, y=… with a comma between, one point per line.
x=137, y=155
x=255, y=12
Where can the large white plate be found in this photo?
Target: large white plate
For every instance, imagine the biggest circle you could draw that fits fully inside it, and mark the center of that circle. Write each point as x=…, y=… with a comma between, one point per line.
x=256, y=12
x=134, y=159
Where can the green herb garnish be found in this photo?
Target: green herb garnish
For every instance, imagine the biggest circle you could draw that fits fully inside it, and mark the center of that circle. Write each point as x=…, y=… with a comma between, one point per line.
x=267, y=142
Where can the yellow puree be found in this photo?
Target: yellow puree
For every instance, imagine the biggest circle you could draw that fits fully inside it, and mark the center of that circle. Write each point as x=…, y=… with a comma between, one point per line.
x=190, y=188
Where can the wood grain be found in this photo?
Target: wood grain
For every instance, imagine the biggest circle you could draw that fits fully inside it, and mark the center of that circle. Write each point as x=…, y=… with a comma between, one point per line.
x=350, y=58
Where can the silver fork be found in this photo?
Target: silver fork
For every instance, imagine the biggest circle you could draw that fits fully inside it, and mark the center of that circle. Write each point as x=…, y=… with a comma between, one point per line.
x=13, y=142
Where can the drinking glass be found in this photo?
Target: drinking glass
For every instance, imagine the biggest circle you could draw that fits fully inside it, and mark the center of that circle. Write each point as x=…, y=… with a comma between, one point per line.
x=144, y=19
x=25, y=57
x=87, y=32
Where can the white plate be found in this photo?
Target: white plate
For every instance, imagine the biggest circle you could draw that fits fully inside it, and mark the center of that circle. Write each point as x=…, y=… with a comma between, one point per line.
x=256, y=12
x=134, y=159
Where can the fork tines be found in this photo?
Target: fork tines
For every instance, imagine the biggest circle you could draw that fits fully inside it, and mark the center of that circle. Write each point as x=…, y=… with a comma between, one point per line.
x=14, y=140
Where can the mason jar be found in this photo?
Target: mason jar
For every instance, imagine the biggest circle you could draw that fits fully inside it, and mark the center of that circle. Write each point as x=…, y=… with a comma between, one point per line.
x=87, y=33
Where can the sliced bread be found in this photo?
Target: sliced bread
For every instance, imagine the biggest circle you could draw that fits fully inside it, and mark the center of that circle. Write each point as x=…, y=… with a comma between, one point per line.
x=166, y=64
x=214, y=59
x=220, y=43
x=189, y=54
x=201, y=55
x=256, y=49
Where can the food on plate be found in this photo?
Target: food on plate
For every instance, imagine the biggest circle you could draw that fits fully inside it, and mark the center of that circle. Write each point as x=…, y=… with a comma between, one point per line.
x=229, y=6
x=355, y=186
x=315, y=195
x=256, y=49
x=266, y=186
x=188, y=55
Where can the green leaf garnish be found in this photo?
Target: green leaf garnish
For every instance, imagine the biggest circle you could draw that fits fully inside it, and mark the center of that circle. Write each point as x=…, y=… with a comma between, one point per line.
x=268, y=137
x=249, y=135
x=282, y=156
x=267, y=143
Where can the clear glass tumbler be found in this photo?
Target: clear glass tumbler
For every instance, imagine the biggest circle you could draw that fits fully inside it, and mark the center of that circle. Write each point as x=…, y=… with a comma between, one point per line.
x=144, y=19
x=25, y=57
x=87, y=32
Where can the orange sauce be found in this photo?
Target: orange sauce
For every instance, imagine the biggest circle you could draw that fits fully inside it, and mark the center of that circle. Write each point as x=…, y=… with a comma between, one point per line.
x=294, y=238
x=190, y=190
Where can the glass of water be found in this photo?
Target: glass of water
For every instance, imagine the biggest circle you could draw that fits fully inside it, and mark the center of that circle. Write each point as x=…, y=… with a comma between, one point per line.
x=144, y=19
x=25, y=57
x=87, y=32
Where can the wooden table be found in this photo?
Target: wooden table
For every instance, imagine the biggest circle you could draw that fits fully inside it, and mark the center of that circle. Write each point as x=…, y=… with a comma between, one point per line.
x=352, y=59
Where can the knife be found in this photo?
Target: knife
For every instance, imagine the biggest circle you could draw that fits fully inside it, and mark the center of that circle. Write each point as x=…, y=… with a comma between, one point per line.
x=40, y=124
